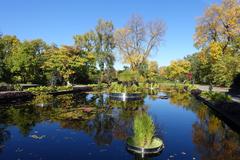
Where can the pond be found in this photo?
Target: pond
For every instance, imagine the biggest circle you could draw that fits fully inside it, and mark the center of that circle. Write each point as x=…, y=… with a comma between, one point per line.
x=92, y=126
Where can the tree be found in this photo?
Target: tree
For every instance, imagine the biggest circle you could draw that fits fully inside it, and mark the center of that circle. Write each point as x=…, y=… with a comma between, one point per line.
x=178, y=70
x=220, y=23
x=152, y=71
x=66, y=61
x=25, y=61
x=163, y=72
x=104, y=44
x=8, y=45
x=85, y=42
x=217, y=37
x=138, y=39
x=225, y=69
x=100, y=42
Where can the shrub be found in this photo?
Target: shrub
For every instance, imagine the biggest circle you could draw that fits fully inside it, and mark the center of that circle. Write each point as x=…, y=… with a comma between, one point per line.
x=128, y=76
x=17, y=87
x=119, y=88
x=48, y=89
x=216, y=97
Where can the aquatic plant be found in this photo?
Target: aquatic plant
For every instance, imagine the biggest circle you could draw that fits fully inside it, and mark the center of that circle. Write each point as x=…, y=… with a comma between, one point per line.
x=144, y=130
x=120, y=88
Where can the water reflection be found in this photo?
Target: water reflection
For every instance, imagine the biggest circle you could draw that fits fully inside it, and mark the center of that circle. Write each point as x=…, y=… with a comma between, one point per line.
x=213, y=139
x=4, y=133
x=105, y=120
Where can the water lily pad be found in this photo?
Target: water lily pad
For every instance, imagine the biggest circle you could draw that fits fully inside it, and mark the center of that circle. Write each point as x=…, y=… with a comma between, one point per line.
x=34, y=136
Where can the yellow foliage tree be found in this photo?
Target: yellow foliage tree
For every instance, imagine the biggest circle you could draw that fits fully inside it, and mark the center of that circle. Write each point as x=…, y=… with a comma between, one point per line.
x=179, y=69
x=215, y=51
x=220, y=23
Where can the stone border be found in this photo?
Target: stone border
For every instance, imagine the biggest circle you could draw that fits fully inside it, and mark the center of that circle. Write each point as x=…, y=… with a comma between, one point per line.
x=74, y=90
x=10, y=96
x=231, y=121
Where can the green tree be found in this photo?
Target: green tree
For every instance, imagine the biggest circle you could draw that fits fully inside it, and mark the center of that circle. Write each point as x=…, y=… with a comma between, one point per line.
x=225, y=69
x=66, y=61
x=99, y=42
x=25, y=61
x=104, y=44
x=8, y=45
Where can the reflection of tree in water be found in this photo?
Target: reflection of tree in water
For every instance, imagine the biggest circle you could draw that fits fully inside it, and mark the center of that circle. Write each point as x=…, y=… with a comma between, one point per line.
x=105, y=125
x=4, y=134
x=96, y=115
x=180, y=99
x=184, y=100
x=24, y=118
x=124, y=120
x=213, y=139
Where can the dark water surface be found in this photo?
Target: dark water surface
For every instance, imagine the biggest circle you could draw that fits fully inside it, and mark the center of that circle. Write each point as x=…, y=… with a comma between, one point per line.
x=91, y=126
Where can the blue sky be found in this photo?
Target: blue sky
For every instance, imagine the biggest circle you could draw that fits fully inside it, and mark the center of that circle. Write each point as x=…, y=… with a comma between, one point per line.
x=56, y=21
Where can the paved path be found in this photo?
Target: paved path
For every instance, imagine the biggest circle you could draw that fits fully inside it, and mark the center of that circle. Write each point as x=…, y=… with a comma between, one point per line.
x=215, y=89
x=220, y=90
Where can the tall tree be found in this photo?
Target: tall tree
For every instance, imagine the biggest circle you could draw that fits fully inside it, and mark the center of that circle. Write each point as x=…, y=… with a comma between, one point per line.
x=100, y=42
x=104, y=44
x=138, y=39
x=25, y=61
x=178, y=70
x=66, y=61
x=217, y=37
x=152, y=71
x=8, y=45
x=220, y=24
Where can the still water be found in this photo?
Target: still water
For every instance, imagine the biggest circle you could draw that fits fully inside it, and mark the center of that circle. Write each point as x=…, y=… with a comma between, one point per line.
x=92, y=126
